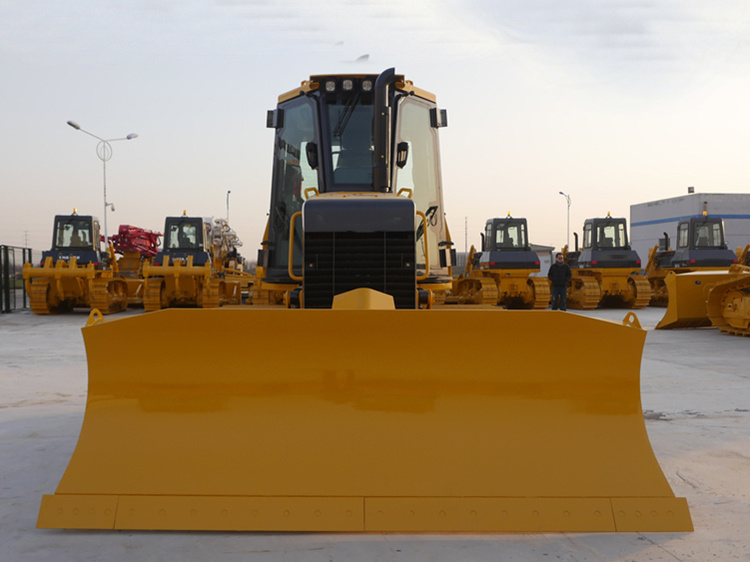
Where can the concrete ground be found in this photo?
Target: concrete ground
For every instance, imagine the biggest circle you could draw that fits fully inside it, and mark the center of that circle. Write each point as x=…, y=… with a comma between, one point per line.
x=696, y=399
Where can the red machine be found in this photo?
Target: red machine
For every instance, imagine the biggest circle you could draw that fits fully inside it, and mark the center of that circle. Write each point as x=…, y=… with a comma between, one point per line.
x=134, y=239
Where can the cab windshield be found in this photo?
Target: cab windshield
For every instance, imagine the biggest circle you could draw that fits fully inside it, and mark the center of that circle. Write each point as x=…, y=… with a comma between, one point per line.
x=73, y=232
x=351, y=137
x=612, y=235
x=510, y=236
x=184, y=235
x=708, y=235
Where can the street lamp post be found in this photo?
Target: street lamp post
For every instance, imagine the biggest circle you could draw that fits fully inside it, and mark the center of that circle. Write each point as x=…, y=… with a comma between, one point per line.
x=104, y=152
x=567, y=197
x=228, y=192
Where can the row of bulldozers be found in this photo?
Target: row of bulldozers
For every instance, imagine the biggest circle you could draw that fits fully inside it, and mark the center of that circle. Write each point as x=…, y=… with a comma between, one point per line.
x=700, y=281
x=346, y=403
x=198, y=265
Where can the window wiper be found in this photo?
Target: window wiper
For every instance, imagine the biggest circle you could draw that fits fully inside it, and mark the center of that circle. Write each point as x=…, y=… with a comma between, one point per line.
x=346, y=115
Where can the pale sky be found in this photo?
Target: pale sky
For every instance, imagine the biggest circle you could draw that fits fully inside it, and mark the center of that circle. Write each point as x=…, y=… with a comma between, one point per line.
x=614, y=102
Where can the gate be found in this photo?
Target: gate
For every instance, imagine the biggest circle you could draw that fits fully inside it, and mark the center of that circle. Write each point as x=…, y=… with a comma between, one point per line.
x=12, y=290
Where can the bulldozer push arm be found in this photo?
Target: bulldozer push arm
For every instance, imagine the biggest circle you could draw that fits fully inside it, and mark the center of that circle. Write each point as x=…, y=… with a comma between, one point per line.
x=353, y=414
x=389, y=436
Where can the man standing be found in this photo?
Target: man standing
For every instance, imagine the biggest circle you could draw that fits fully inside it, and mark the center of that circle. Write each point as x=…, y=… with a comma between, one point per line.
x=559, y=274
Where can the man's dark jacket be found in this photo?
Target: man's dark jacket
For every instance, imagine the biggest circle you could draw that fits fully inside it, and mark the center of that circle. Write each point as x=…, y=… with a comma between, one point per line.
x=559, y=274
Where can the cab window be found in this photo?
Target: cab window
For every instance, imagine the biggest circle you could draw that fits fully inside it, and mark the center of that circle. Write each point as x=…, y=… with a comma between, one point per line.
x=420, y=175
x=73, y=232
x=291, y=177
x=587, y=236
x=682, y=235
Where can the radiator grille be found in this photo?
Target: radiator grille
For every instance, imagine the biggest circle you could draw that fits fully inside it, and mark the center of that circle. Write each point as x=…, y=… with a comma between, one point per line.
x=342, y=261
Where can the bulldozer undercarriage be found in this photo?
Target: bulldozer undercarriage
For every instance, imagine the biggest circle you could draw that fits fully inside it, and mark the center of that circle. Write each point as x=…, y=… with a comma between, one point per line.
x=49, y=295
x=641, y=291
x=587, y=292
x=583, y=293
x=516, y=293
x=204, y=293
x=109, y=295
x=728, y=303
x=474, y=290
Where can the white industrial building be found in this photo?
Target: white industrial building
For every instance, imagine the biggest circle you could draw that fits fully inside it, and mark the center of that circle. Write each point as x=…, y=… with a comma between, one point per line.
x=649, y=221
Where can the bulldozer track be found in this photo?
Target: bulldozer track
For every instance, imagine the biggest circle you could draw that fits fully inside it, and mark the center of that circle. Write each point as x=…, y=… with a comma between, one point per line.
x=108, y=295
x=728, y=304
x=642, y=292
x=541, y=290
x=39, y=296
x=152, y=294
x=584, y=293
x=474, y=290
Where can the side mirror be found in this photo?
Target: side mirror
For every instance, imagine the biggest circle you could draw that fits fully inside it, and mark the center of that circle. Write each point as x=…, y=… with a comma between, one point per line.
x=311, y=151
x=438, y=118
x=275, y=118
x=402, y=154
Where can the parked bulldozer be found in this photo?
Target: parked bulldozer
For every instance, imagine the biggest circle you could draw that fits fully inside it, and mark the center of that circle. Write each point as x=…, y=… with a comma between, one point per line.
x=75, y=272
x=137, y=246
x=189, y=270
x=701, y=246
x=502, y=272
x=359, y=411
x=606, y=272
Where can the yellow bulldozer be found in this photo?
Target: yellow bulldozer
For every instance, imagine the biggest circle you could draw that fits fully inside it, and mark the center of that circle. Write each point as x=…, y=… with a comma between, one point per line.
x=191, y=268
x=358, y=411
x=606, y=271
x=682, y=278
x=701, y=246
x=502, y=273
x=75, y=272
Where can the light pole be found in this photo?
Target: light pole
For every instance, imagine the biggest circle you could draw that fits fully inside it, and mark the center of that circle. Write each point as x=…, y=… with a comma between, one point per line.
x=567, y=197
x=104, y=152
x=228, y=192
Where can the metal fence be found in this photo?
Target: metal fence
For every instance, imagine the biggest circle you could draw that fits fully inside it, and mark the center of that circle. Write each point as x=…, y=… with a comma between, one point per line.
x=12, y=290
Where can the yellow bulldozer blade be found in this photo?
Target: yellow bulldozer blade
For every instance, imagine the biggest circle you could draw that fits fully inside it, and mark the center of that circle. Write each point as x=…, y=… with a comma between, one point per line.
x=364, y=420
x=687, y=299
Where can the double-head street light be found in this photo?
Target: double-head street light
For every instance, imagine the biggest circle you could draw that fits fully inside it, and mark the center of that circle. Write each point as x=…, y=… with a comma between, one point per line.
x=104, y=152
x=567, y=197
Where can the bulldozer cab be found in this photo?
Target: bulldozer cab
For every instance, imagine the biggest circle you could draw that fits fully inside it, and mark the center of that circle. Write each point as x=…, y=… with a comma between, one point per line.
x=605, y=244
x=701, y=243
x=75, y=236
x=75, y=232
x=506, y=234
x=341, y=135
x=505, y=245
x=183, y=237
